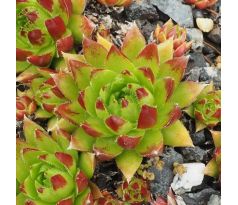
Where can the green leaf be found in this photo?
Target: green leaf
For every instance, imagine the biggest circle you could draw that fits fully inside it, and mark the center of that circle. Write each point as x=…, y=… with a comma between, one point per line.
x=177, y=135
x=66, y=85
x=29, y=128
x=128, y=162
x=84, y=198
x=81, y=141
x=75, y=25
x=106, y=148
x=151, y=143
x=133, y=43
x=87, y=163
x=94, y=53
x=174, y=69
x=165, y=50
x=186, y=93
x=117, y=62
x=212, y=169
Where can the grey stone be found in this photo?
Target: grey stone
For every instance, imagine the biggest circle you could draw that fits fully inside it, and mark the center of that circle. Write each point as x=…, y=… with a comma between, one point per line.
x=214, y=200
x=142, y=10
x=170, y=156
x=163, y=179
x=199, y=198
x=215, y=35
x=192, y=154
x=196, y=60
x=196, y=36
x=175, y=9
x=198, y=138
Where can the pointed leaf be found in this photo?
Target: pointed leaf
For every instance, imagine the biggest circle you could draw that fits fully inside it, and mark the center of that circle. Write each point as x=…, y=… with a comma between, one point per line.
x=81, y=141
x=186, y=93
x=66, y=85
x=133, y=43
x=212, y=169
x=151, y=144
x=87, y=163
x=165, y=50
x=177, y=135
x=128, y=162
x=106, y=148
x=94, y=53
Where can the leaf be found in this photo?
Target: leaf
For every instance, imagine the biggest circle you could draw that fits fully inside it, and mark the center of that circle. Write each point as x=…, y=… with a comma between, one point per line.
x=216, y=136
x=186, y=93
x=148, y=57
x=106, y=148
x=212, y=169
x=177, y=135
x=81, y=141
x=87, y=163
x=94, y=53
x=29, y=128
x=151, y=143
x=174, y=69
x=165, y=50
x=128, y=162
x=66, y=85
x=104, y=42
x=133, y=43
x=117, y=62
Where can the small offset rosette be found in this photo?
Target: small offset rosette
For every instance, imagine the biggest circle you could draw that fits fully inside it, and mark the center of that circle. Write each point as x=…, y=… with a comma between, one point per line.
x=48, y=173
x=46, y=28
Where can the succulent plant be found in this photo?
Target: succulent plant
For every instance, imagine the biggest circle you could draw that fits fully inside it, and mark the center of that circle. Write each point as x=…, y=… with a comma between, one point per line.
x=48, y=173
x=213, y=168
x=107, y=199
x=135, y=192
x=25, y=105
x=126, y=102
x=207, y=108
x=174, y=32
x=46, y=28
x=201, y=4
x=115, y=2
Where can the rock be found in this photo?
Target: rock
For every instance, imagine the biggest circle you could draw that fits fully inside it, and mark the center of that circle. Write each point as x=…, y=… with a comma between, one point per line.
x=197, y=13
x=175, y=9
x=193, y=154
x=163, y=179
x=141, y=10
x=170, y=156
x=146, y=27
x=205, y=24
x=196, y=60
x=209, y=74
x=214, y=200
x=194, y=74
x=196, y=36
x=215, y=35
x=192, y=177
x=198, y=138
x=199, y=198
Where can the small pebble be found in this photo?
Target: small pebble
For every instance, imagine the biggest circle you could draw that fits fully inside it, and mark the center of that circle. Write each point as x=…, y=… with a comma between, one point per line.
x=205, y=24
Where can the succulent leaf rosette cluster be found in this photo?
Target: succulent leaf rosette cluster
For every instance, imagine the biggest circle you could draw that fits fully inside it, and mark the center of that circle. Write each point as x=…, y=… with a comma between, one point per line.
x=25, y=104
x=135, y=192
x=115, y=2
x=125, y=102
x=48, y=173
x=176, y=33
x=201, y=4
x=213, y=168
x=207, y=108
x=45, y=28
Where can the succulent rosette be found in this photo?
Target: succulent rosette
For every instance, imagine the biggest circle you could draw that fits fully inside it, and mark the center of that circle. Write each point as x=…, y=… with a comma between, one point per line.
x=207, y=108
x=48, y=173
x=135, y=192
x=213, y=168
x=46, y=28
x=115, y=2
x=25, y=104
x=201, y=4
x=174, y=32
x=126, y=102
